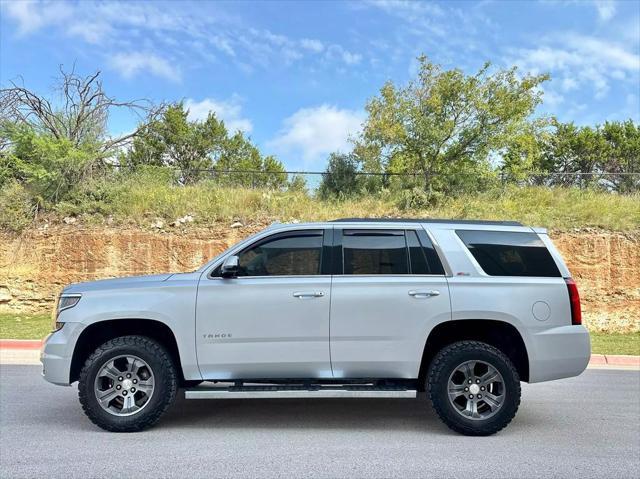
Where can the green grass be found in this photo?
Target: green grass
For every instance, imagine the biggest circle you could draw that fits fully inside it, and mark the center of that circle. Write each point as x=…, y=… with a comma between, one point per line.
x=140, y=198
x=603, y=343
x=20, y=326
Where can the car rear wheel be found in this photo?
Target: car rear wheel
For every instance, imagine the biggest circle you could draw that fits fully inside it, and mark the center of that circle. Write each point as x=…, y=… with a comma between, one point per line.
x=474, y=388
x=127, y=384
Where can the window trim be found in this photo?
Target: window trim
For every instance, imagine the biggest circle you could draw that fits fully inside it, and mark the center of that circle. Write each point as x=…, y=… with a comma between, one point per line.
x=240, y=248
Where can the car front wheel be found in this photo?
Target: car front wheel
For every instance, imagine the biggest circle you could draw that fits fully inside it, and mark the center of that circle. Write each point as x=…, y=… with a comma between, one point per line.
x=127, y=384
x=474, y=388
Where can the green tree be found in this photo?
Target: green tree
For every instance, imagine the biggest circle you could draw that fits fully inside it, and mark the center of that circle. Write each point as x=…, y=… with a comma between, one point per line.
x=576, y=151
x=340, y=178
x=47, y=167
x=80, y=119
x=522, y=158
x=623, y=155
x=585, y=155
x=239, y=155
x=49, y=146
x=445, y=124
x=298, y=183
x=173, y=140
x=193, y=147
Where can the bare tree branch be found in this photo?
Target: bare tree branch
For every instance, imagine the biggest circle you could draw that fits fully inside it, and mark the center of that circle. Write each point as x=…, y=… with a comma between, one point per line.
x=82, y=114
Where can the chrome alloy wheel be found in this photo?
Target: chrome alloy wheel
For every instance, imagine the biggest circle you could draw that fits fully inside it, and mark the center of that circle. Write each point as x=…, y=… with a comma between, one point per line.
x=476, y=390
x=124, y=385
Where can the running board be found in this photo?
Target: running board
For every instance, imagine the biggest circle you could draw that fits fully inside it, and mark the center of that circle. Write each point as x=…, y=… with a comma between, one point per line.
x=284, y=392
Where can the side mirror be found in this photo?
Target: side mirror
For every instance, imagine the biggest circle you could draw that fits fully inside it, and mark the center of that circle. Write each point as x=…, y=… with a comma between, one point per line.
x=230, y=267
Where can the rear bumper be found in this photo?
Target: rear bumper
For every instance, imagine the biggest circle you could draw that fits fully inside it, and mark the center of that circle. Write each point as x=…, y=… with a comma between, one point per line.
x=57, y=352
x=558, y=353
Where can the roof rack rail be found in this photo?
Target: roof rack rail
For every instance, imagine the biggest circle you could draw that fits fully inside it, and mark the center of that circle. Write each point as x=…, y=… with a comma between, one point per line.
x=426, y=220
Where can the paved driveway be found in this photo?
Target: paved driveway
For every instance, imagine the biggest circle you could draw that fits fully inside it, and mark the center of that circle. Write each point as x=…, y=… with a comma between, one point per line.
x=581, y=427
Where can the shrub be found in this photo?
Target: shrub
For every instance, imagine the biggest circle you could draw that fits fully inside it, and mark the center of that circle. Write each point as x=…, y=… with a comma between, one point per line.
x=16, y=207
x=417, y=198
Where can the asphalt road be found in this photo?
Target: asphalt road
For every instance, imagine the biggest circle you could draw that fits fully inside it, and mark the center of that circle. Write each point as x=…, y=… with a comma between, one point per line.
x=581, y=427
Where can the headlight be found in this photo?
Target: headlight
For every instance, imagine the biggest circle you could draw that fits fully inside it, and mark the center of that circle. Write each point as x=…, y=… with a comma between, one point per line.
x=67, y=301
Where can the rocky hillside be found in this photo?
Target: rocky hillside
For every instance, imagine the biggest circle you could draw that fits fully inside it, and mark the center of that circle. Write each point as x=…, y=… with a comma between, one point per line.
x=37, y=264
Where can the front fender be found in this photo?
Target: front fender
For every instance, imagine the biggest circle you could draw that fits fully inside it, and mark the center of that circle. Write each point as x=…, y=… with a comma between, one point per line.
x=170, y=303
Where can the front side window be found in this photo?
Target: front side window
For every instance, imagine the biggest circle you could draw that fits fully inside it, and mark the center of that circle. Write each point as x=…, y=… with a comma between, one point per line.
x=288, y=254
x=374, y=252
x=501, y=253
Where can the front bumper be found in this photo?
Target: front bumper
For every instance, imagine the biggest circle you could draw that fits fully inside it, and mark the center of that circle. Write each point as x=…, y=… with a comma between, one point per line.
x=558, y=353
x=57, y=352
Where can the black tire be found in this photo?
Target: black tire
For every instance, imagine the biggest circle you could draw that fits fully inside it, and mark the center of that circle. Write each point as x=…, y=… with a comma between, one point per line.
x=443, y=366
x=164, y=376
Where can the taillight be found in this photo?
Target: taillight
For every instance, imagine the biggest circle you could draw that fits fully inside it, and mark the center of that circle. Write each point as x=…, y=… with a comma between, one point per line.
x=574, y=300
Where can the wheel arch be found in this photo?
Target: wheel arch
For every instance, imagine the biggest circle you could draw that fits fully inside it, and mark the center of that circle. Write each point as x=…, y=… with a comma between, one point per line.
x=500, y=334
x=99, y=332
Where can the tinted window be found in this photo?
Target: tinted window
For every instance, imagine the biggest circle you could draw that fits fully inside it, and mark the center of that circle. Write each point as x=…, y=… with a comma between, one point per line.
x=374, y=252
x=510, y=254
x=417, y=257
x=288, y=254
x=424, y=259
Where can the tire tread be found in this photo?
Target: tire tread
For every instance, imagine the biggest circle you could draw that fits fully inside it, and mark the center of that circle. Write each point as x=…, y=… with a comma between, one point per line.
x=138, y=422
x=436, y=370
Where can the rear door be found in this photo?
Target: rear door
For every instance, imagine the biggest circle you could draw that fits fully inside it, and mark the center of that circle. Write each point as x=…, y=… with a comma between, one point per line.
x=388, y=292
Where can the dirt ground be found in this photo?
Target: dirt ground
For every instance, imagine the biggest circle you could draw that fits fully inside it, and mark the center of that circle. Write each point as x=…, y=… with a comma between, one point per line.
x=37, y=264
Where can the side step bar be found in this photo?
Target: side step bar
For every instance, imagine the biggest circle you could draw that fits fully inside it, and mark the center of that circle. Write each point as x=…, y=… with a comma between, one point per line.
x=284, y=392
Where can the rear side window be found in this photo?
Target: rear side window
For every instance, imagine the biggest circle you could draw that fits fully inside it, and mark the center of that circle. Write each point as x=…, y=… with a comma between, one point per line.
x=374, y=252
x=502, y=253
x=389, y=252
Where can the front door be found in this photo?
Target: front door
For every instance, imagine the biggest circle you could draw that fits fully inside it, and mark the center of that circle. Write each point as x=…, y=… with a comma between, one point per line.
x=391, y=293
x=272, y=321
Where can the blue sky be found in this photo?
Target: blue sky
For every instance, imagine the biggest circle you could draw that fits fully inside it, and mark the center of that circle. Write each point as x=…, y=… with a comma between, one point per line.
x=296, y=75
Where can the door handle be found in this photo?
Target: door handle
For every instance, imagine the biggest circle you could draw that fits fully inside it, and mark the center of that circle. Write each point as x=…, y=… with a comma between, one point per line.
x=423, y=294
x=308, y=294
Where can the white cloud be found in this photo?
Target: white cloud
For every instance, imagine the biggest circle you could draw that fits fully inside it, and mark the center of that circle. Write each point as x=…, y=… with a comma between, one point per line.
x=131, y=64
x=552, y=98
x=580, y=61
x=313, y=133
x=338, y=52
x=223, y=44
x=409, y=9
x=632, y=107
x=183, y=30
x=608, y=53
x=31, y=16
x=351, y=58
x=230, y=111
x=425, y=18
x=569, y=83
x=313, y=45
x=606, y=9
x=91, y=32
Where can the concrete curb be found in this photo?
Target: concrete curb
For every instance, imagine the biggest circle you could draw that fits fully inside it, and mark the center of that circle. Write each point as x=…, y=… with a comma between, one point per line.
x=21, y=344
x=614, y=360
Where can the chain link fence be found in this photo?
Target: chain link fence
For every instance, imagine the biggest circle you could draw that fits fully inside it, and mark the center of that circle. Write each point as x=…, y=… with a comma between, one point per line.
x=619, y=182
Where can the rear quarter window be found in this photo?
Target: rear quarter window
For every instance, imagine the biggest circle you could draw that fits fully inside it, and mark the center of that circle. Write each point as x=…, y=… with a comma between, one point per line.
x=501, y=253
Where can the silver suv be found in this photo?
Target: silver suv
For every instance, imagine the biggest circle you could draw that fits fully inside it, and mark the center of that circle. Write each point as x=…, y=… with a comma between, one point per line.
x=463, y=310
